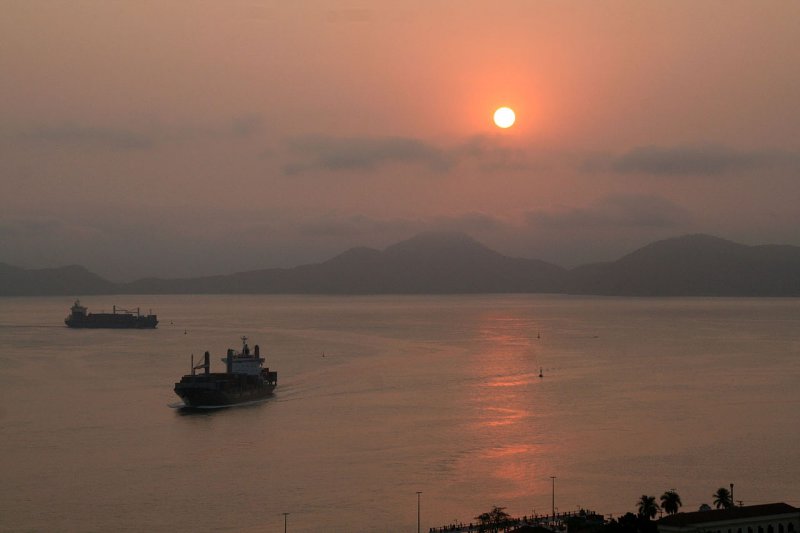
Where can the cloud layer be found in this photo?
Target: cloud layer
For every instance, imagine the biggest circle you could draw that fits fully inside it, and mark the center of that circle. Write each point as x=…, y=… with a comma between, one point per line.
x=700, y=160
x=363, y=153
x=619, y=211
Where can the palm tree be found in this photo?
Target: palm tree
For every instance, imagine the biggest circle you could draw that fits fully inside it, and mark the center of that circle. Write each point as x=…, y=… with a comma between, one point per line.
x=648, y=506
x=722, y=498
x=670, y=501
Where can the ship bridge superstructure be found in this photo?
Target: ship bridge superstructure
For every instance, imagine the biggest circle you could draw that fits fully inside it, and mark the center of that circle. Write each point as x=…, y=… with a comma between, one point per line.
x=244, y=361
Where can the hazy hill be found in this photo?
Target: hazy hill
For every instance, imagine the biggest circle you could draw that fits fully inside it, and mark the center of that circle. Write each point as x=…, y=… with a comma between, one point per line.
x=433, y=263
x=695, y=265
x=455, y=263
x=68, y=280
x=450, y=263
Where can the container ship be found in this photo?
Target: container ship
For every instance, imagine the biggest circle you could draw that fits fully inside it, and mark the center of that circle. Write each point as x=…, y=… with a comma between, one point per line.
x=245, y=380
x=79, y=317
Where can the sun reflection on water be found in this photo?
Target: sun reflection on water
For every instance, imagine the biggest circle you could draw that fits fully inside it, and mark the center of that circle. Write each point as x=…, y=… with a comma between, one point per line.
x=506, y=363
x=513, y=381
x=502, y=416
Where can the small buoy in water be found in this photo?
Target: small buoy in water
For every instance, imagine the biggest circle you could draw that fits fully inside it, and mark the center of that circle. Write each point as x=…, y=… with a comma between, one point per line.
x=541, y=374
x=184, y=332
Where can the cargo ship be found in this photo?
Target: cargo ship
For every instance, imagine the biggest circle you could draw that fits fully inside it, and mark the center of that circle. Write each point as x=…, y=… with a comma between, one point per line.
x=79, y=317
x=245, y=380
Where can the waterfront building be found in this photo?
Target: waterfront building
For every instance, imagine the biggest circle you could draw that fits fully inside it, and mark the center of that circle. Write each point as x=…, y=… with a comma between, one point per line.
x=767, y=518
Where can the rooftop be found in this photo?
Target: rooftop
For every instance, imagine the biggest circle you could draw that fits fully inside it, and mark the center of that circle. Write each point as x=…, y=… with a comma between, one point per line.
x=721, y=515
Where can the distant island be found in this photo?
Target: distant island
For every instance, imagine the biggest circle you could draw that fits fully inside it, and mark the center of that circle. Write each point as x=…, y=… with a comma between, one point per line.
x=454, y=263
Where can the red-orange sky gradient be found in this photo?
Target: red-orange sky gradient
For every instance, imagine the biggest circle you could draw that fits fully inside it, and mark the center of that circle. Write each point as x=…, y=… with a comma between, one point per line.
x=183, y=138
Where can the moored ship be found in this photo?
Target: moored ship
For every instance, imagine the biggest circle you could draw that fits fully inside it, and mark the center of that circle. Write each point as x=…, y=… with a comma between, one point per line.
x=245, y=380
x=79, y=317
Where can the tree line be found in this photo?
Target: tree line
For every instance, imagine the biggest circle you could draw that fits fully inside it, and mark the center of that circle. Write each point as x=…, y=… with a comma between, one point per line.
x=642, y=522
x=671, y=503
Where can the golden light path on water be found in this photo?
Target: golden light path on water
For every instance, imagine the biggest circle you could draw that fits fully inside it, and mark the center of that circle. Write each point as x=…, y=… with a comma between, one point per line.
x=507, y=402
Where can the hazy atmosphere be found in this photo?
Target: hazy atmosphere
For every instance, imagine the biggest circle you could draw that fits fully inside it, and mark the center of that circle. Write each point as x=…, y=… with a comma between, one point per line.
x=144, y=138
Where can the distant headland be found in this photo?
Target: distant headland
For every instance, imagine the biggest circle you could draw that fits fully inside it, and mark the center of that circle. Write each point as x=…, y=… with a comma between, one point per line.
x=454, y=263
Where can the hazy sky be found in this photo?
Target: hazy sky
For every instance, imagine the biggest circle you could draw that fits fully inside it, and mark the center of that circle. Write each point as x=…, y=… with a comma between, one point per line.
x=184, y=137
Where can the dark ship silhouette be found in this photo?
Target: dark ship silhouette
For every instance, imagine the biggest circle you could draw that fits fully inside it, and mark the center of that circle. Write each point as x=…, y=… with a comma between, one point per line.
x=119, y=318
x=244, y=380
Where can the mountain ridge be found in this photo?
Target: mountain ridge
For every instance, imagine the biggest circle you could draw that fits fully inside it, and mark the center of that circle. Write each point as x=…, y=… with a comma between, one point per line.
x=694, y=265
x=455, y=263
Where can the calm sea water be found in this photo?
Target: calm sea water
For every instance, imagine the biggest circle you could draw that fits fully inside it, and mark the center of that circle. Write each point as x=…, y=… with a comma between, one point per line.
x=432, y=394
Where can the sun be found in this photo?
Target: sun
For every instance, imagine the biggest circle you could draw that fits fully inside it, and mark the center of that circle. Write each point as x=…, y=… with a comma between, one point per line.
x=504, y=117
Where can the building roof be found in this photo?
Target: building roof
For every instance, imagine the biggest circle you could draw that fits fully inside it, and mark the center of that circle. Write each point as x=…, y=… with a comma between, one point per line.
x=722, y=515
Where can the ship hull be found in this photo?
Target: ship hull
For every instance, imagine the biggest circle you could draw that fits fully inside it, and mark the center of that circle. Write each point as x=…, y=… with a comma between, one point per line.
x=207, y=391
x=112, y=321
x=110, y=325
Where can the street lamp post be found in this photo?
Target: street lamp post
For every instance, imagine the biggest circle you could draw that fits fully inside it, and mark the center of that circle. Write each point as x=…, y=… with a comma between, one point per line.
x=418, y=493
x=284, y=521
x=554, y=497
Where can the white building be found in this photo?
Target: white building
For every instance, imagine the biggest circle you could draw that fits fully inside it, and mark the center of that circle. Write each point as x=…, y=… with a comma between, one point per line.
x=768, y=518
